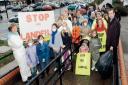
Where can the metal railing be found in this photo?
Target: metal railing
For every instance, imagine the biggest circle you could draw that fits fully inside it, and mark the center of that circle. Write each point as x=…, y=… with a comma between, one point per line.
x=122, y=79
x=61, y=69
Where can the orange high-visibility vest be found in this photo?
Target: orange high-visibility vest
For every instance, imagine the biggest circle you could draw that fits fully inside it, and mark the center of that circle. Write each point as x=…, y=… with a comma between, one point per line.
x=76, y=34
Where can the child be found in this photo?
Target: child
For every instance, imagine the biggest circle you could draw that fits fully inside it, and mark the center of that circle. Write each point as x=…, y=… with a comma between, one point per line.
x=76, y=34
x=84, y=46
x=95, y=45
x=32, y=59
x=66, y=38
x=56, y=43
x=42, y=50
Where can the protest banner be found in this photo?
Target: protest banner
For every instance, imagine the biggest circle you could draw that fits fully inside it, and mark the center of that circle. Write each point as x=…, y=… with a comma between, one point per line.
x=32, y=24
x=83, y=63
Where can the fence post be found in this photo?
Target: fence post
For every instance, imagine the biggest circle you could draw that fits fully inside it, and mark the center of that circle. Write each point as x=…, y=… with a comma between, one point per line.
x=60, y=69
x=37, y=81
x=71, y=58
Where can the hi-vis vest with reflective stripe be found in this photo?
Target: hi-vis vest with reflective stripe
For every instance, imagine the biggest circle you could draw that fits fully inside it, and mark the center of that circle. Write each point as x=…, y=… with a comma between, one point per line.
x=102, y=37
x=101, y=34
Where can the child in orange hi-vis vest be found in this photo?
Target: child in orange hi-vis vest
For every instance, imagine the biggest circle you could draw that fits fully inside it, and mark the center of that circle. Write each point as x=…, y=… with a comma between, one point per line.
x=76, y=36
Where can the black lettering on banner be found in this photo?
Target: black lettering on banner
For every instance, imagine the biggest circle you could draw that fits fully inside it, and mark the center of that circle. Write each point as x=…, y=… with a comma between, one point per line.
x=82, y=55
x=81, y=60
x=104, y=46
x=100, y=34
x=85, y=67
x=100, y=39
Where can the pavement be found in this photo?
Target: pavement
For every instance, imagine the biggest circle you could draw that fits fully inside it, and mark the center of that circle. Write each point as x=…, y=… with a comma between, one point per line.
x=124, y=38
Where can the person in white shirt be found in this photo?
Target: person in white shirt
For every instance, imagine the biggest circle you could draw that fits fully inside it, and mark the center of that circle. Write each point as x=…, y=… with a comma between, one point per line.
x=16, y=44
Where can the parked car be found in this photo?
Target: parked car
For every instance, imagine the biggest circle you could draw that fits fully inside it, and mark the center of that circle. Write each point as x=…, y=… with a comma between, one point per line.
x=9, y=7
x=27, y=9
x=14, y=19
x=73, y=7
x=17, y=8
x=66, y=3
x=62, y=5
x=23, y=6
x=38, y=4
x=55, y=5
x=38, y=8
x=47, y=8
x=32, y=5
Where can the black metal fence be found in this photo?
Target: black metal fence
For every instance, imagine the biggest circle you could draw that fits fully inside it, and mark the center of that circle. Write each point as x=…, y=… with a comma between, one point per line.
x=61, y=68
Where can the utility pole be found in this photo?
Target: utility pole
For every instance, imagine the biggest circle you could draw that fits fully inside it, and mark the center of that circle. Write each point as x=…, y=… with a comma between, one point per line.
x=6, y=8
x=60, y=8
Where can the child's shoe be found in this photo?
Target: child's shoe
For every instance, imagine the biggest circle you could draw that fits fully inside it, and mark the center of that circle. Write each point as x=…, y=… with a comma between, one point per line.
x=92, y=68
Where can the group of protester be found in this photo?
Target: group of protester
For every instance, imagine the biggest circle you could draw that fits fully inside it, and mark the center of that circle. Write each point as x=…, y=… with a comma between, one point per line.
x=84, y=29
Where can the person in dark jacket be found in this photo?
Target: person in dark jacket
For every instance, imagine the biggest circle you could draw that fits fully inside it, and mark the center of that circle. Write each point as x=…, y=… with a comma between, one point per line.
x=66, y=38
x=113, y=34
x=42, y=51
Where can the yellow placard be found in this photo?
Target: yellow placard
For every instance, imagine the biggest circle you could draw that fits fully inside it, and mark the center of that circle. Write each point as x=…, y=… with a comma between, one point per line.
x=83, y=64
x=47, y=38
x=102, y=37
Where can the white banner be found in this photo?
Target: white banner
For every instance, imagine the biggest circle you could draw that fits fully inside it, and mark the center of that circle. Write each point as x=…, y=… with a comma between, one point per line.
x=32, y=24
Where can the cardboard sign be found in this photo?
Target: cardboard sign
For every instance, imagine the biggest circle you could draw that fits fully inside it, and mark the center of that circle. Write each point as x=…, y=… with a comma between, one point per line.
x=32, y=24
x=102, y=37
x=83, y=64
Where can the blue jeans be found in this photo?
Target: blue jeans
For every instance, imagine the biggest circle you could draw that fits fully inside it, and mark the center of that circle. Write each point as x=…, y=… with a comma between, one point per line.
x=33, y=71
x=44, y=63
